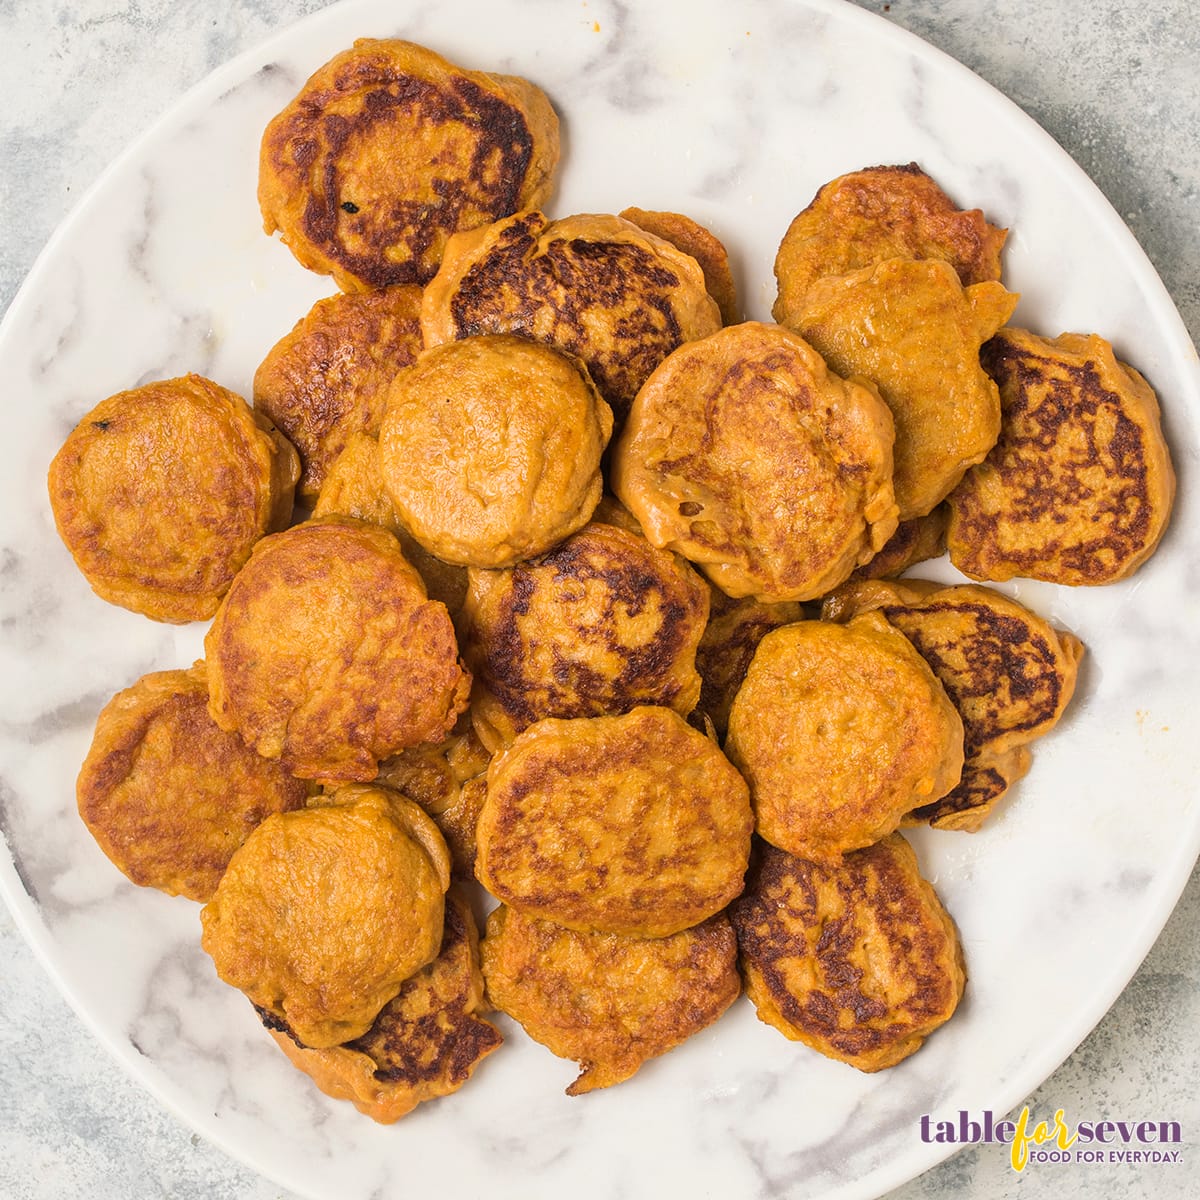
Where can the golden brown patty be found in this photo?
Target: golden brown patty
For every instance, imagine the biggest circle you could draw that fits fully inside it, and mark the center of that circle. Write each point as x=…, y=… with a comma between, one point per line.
x=161, y=492
x=692, y=238
x=734, y=629
x=602, y=623
x=869, y=216
x=326, y=654
x=1079, y=488
x=167, y=795
x=914, y=541
x=912, y=329
x=432, y=773
x=388, y=150
x=610, y=511
x=746, y=456
x=1008, y=672
x=324, y=912
x=634, y=824
x=491, y=447
x=328, y=378
x=459, y=824
x=596, y=286
x=607, y=1001
x=425, y=1043
x=447, y=779
x=859, y=961
x=840, y=731
x=354, y=488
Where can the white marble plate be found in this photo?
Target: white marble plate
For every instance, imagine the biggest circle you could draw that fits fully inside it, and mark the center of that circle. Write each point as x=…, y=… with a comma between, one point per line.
x=734, y=114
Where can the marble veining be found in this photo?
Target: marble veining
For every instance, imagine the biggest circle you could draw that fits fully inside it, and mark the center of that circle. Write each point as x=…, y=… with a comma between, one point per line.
x=734, y=114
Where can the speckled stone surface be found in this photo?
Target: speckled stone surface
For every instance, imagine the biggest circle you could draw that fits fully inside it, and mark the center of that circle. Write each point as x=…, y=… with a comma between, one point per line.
x=1115, y=84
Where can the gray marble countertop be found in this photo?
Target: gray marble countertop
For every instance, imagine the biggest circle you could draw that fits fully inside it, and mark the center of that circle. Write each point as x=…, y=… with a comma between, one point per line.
x=1116, y=84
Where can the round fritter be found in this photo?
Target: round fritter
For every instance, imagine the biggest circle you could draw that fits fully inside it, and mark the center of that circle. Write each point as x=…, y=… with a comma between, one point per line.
x=354, y=488
x=161, y=492
x=746, y=456
x=491, y=448
x=607, y=1001
x=596, y=286
x=425, y=1043
x=610, y=511
x=708, y=250
x=1079, y=488
x=869, y=216
x=448, y=781
x=167, y=795
x=860, y=960
x=388, y=150
x=911, y=328
x=432, y=772
x=602, y=623
x=915, y=540
x=324, y=912
x=459, y=824
x=734, y=629
x=328, y=378
x=840, y=730
x=327, y=655
x=634, y=824
x=1008, y=672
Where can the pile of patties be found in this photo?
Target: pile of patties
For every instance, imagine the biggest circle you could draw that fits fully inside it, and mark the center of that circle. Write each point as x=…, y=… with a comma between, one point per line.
x=513, y=568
